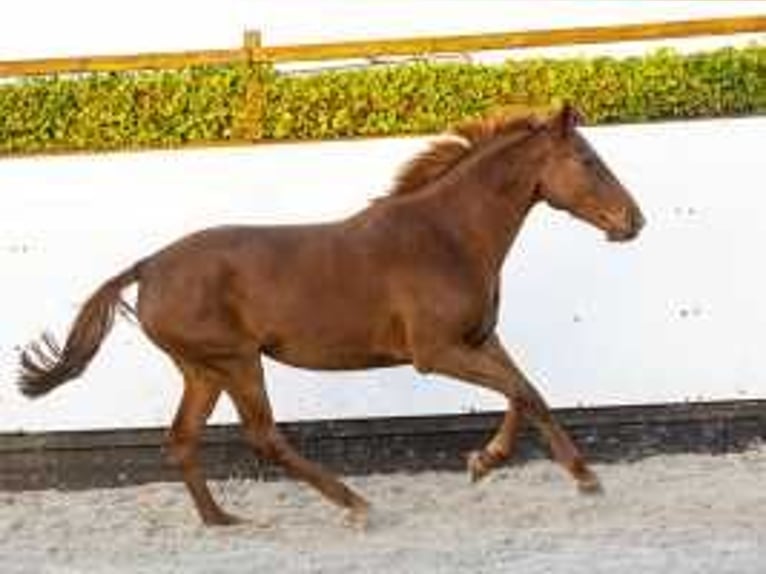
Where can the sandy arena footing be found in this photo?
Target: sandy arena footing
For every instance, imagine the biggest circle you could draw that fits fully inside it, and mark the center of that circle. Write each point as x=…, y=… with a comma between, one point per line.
x=681, y=514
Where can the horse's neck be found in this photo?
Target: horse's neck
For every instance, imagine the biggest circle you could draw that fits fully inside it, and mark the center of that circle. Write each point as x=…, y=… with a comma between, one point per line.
x=487, y=200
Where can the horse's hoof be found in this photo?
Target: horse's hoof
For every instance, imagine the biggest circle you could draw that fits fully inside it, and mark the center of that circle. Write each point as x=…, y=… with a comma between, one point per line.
x=590, y=485
x=358, y=518
x=477, y=468
x=224, y=519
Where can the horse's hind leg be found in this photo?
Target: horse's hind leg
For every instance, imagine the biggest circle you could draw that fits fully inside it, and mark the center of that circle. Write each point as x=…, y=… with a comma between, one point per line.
x=198, y=401
x=247, y=391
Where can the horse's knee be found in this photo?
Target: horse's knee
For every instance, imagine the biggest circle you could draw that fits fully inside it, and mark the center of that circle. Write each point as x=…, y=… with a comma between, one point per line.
x=533, y=408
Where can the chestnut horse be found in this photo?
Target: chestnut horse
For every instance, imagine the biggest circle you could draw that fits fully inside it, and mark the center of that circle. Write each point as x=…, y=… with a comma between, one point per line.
x=411, y=279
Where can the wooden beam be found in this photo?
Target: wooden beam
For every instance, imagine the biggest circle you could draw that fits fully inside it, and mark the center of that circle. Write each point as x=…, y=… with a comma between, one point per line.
x=252, y=49
x=121, y=63
x=514, y=40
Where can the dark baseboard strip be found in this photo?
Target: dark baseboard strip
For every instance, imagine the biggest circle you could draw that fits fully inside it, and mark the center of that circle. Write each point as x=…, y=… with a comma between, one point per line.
x=92, y=459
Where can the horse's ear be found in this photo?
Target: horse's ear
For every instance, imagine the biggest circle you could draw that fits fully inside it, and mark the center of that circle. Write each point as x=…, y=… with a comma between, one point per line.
x=568, y=119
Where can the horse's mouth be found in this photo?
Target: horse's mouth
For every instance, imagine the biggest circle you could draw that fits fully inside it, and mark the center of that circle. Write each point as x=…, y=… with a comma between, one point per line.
x=621, y=236
x=630, y=231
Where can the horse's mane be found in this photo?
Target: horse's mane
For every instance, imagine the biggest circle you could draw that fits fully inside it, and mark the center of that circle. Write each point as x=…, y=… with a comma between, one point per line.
x=457, y=143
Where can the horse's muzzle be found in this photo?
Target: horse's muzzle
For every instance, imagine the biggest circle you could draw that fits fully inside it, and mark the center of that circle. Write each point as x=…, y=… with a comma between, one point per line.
x=633, y=223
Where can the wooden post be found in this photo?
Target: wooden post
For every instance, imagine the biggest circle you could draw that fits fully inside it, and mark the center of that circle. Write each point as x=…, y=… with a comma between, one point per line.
x=252, y=45
x=248, y=125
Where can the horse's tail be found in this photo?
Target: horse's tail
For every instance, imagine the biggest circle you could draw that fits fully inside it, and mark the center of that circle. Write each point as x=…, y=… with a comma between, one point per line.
x=45, y=365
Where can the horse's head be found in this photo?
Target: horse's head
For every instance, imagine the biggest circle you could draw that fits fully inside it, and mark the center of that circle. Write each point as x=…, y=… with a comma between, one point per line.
x=574, y=178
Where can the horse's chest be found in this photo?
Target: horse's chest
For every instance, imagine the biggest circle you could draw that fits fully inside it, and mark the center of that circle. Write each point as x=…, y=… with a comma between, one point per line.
x=485, y=321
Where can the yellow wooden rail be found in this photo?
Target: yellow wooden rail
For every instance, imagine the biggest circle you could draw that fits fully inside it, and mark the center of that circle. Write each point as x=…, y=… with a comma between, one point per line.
x=509, y=40
x=252, y=50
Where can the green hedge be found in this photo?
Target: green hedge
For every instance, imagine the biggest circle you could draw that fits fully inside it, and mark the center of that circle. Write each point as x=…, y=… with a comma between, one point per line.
x=111, y=111
x=209, y=105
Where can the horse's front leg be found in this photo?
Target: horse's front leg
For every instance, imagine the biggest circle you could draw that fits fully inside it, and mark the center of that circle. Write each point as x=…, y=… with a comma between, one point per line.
x=499, y=448
x=490, y=366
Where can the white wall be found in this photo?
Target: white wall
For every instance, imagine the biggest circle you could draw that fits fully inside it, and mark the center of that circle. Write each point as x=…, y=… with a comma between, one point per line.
x=40, y=28
x=678, y=314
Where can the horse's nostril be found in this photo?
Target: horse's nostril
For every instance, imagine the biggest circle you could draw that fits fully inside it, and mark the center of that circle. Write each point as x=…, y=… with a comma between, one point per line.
x=630, y=226
x=635, y=220
x=638, y=221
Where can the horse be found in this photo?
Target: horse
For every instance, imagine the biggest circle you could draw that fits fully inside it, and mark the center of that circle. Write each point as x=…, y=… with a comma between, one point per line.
x=412, y=279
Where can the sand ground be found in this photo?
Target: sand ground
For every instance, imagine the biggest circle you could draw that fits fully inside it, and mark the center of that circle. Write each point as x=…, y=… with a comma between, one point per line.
x=681, y=514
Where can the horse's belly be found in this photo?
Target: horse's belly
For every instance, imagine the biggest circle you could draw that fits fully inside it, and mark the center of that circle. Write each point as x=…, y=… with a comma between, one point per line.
x=322, y=357
x=338, y=344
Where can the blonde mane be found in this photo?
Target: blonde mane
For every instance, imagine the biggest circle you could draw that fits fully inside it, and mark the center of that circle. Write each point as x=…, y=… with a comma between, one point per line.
x=456, y=144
